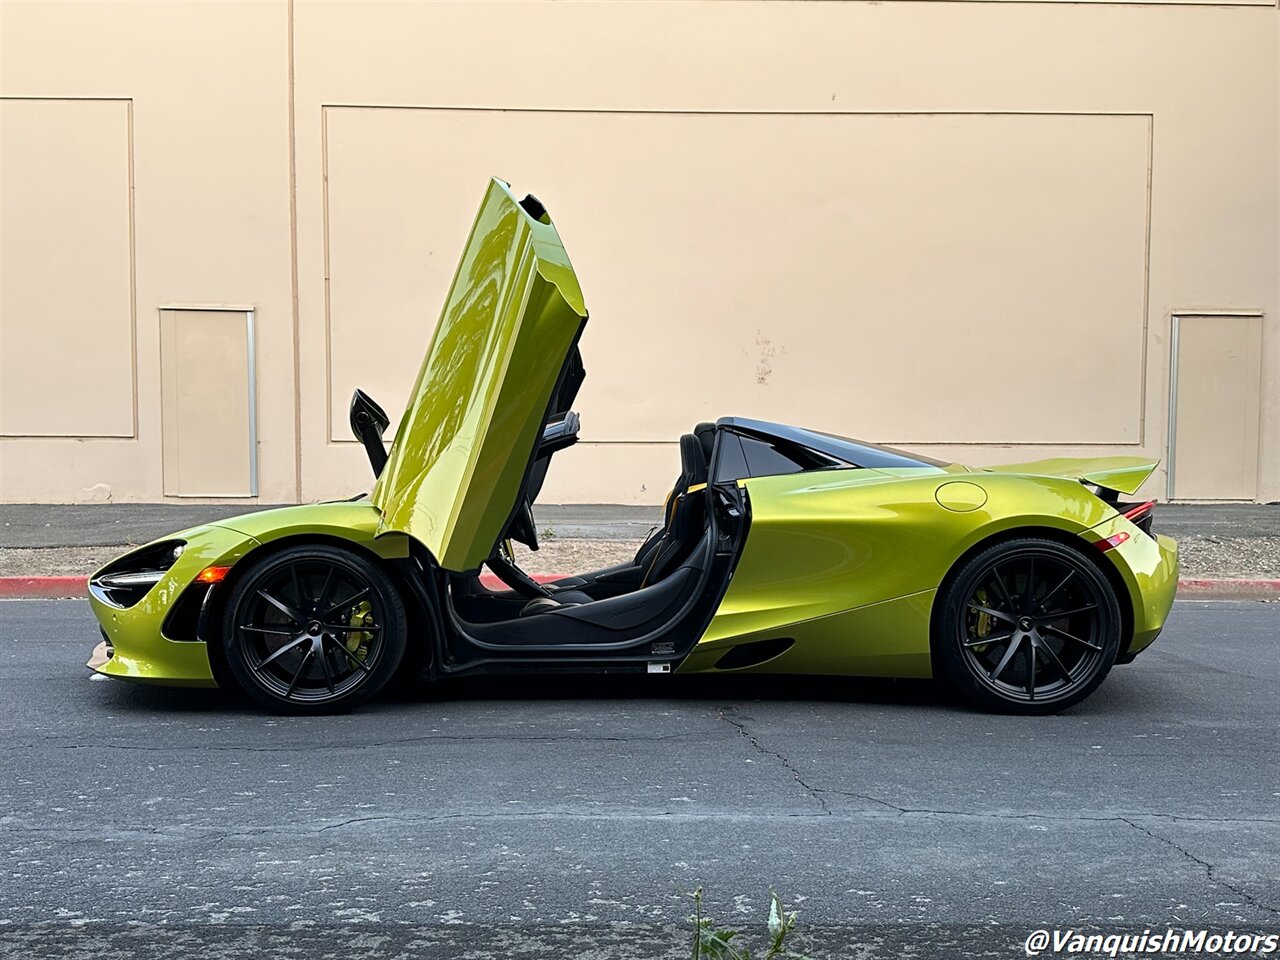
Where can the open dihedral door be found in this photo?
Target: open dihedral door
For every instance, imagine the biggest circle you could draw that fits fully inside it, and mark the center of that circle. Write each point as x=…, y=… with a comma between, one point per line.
x=505, y=346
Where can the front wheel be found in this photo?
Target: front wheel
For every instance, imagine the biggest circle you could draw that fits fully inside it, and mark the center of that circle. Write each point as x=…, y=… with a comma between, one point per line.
x=314, y=629
x=1027, y=626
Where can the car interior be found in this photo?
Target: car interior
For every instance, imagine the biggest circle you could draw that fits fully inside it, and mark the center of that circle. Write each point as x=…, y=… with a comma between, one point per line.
x=620, y=608
x=660, y=600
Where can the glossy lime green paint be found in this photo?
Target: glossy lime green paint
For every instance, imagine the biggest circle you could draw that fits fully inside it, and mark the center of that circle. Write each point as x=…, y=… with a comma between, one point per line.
x=512, y=315
x=1149, y=569
x=143, y=653
x=354, y=521
x=960, y=496
x=885, y=639
x=846, y=562
x=1125, y=474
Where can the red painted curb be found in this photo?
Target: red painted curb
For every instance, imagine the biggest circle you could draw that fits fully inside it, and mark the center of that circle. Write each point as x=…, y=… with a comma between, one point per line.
x=47, y=588
x=1229, y=589
x=41, y=588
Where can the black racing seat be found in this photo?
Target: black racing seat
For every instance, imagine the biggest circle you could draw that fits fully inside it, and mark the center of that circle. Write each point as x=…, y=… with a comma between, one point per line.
x=693, y=470
x=683, y=522
x=685, y=514
x=691, y=474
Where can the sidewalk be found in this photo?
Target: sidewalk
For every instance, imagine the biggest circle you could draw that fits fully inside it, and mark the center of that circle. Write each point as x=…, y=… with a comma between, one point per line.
x=1218, y=541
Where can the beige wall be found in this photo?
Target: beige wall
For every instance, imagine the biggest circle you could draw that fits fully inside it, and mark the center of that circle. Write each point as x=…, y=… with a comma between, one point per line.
x=958, y=226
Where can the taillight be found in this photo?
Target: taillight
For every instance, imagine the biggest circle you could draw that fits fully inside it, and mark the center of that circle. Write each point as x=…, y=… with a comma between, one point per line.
x=1139, y=514
x=1112, y=541
x=1141, y=510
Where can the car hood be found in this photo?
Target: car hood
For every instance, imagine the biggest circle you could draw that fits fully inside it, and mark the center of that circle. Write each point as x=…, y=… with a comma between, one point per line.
x=1122, y=474
x=467, y=439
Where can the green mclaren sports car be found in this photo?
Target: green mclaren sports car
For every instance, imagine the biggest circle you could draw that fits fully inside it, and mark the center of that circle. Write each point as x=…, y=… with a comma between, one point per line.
x=782, y=550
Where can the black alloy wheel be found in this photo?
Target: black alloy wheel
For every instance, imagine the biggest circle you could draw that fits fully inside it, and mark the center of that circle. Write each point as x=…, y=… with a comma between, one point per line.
x=1028, y=626
x=314, y=629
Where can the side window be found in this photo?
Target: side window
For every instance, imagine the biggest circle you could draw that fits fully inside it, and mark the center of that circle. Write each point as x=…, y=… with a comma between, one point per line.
x=741, y=457
x=766, y=460
x=731, y=463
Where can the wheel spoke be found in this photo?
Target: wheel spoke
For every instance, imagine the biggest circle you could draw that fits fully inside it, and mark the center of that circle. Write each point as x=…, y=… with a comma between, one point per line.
x=1054, y=592
x=327, y=590
x=1029, y=594
x=323, y=657
x=306, y=657
x=293, y=617
x=358, y=595
x=1031, y=671
x=995, y=638
x=292, y=645
x=1066, y=636
x=295, y=573
x=1008, y=655
x=1058, y=615
x=1004, y=591
x=271, y=631
x=1056, y=663
x=989, y=611
x=351, y=656
x=372, y=628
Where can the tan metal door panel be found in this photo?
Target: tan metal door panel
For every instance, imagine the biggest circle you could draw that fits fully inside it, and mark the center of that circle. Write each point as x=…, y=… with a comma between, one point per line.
x=207, y=407
x=1216, y=405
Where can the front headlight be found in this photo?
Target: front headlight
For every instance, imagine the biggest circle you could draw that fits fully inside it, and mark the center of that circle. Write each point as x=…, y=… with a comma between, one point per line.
x=125, y=581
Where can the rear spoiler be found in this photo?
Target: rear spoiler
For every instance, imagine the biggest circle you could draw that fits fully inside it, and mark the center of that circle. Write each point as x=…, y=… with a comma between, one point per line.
x=1121, y=474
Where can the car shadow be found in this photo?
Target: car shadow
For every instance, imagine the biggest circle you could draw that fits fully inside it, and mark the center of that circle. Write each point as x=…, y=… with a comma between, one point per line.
x=582, y=688
x=694, y=688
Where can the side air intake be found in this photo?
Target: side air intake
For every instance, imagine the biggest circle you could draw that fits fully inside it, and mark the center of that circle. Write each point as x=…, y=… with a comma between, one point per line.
x=754, y=653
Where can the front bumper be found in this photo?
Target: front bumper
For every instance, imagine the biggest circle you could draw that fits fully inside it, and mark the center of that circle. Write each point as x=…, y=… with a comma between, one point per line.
x=135, y=646
x=1149, y=568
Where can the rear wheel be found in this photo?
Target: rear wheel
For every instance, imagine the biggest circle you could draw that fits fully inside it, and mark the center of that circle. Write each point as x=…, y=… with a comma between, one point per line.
x=314, y=629
x=1027, y=626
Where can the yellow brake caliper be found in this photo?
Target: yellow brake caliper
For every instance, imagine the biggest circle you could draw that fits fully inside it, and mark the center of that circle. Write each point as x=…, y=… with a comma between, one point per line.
x=985, y=620
x=358, y=641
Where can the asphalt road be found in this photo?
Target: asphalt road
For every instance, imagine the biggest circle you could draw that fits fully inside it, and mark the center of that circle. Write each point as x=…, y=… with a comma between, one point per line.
x=561, y=820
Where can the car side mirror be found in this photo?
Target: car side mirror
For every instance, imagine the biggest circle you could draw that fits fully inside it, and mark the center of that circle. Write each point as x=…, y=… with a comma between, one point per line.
x=369, y=422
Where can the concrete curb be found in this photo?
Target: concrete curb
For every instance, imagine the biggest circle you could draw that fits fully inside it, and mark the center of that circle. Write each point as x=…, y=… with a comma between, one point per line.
x=53, y=588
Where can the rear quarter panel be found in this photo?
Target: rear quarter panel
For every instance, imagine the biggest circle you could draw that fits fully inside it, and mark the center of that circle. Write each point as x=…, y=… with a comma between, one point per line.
x=847, y=562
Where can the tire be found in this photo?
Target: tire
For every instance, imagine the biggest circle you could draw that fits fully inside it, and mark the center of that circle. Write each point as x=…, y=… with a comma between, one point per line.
x=1028, y=626
x=313, y=629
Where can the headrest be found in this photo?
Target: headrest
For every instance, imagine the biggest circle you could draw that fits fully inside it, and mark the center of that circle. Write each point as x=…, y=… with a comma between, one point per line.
x=706, y=434
x=692, y=463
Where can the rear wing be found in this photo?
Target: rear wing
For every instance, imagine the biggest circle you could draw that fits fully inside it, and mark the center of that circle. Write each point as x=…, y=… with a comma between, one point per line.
x=1121, y=474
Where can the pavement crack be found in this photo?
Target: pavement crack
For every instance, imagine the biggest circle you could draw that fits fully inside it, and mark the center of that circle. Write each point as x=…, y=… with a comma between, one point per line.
x=1053, y=817
x=870, y=799
x=1209, y=869
x=724, y=713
